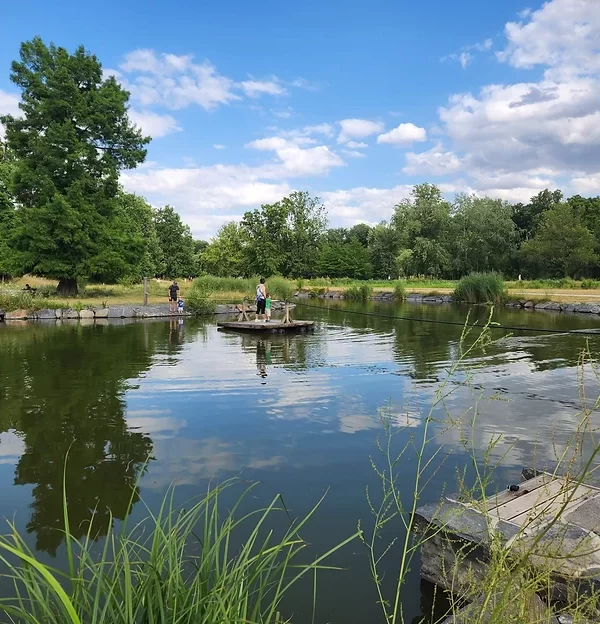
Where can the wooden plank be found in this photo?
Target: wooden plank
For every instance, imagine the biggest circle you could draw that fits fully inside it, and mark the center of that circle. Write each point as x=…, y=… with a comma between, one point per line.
x=529, y=501
x=553, y=505
x=524, y=488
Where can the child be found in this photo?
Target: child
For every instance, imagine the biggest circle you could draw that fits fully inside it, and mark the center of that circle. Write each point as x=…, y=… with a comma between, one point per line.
x=180, y=306
x=268, y=307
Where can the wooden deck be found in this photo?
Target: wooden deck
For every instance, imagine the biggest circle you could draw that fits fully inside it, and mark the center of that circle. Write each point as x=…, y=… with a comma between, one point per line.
x=552, y=520
x=270, y=327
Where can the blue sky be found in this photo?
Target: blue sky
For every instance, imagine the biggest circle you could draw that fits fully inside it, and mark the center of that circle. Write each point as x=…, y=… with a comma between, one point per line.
x=354, y=101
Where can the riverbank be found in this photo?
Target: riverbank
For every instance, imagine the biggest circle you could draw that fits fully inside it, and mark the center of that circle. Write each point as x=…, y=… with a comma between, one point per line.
x=131, y=311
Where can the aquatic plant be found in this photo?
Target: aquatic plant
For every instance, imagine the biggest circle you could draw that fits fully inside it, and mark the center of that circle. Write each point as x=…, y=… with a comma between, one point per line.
x=361, y=292
x=480, y=288
x=178, y=566
x=399, y=292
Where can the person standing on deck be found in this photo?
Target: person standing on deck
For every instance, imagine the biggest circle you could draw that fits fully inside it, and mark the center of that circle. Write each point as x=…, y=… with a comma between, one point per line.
x=173, y=297
x=261, y=299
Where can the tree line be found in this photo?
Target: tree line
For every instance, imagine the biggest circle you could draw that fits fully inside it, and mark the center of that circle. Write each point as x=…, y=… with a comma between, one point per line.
x=64, y=215
x=426, y=235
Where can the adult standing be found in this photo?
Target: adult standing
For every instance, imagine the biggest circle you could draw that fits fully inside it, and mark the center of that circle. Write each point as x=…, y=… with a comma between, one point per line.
x=173, y=297
x=261, y=299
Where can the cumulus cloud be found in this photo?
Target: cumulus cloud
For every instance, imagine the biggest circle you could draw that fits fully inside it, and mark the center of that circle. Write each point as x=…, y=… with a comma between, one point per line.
x=177, y=81
x=358, y=129
x=154, y=124
x=218, y=146
x=363, y=204
x=356, y=144
x=295, y=160
x=551, y=122
x=437, y=161
x=404, y=134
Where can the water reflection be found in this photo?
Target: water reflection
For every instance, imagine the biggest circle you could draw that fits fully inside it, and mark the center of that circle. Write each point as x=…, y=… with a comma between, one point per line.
x=298, y=412
x=62, y=391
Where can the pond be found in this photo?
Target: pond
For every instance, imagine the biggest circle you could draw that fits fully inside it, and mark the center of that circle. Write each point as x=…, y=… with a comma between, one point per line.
x=300, y=414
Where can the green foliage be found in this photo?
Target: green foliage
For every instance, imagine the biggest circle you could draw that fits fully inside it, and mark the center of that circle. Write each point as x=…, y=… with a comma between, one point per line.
x=280, y=288
x=361, y=292
x=344, y=259
x=562, y=246
x=224, y=255
x=70, y=144
x=7, y=210
x=383, y=249
x=483, y=234
x=480, y=288
x=176, y=243
x=282, y=237
x=423, y=225
x=199, y=299
x=177, y=565
x=10, y=301
x=399, y=292
x=215, y=284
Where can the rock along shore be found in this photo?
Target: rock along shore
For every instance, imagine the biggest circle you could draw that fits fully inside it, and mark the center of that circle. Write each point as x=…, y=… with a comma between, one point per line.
x=130, y=311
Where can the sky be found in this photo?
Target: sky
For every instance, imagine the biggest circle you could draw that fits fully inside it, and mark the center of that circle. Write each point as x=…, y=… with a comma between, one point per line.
x=354, y=101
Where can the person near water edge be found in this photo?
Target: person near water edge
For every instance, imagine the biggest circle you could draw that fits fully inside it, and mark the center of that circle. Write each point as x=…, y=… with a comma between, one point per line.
x=173, y=297
x=261, y=299
x=268, y=307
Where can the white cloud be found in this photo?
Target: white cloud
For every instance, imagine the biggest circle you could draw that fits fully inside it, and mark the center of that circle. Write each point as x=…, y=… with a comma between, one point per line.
x=302, y=83
x=295, y=160
x=404, y=134
x=562, y=33
x=465, y=56
x=363, y=204
x=218, y=146
x=284, y=114
x=177, y=81
x=356, y=145
x=154, y=124
x=464, y=59
x=206, y=197
x=9, y=105
x=505, y=134
x=353, y=153
x=587, y=185
x=358, y=129
x=436, y=161
x=256, y=88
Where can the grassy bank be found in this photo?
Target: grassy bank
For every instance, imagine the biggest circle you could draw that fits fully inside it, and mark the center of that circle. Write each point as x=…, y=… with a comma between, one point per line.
x=236, y=289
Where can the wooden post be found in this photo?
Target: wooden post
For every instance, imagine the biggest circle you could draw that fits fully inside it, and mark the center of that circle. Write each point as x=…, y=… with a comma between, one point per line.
x=286, y=318
x=145, y=291
x=244, y=315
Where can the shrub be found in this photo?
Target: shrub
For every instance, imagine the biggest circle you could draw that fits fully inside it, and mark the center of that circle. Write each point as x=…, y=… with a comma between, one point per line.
x=480, y=288
x=399, y=292
x=280, y=288
x=359, y=293
x=199, y=300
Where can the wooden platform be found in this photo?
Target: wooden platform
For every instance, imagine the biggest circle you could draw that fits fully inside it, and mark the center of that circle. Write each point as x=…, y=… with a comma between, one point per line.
x=552, y=520
x=270, y=327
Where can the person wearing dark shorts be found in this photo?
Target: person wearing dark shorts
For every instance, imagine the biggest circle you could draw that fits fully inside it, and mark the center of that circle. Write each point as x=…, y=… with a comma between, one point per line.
x=173, y=297
x=261, y=299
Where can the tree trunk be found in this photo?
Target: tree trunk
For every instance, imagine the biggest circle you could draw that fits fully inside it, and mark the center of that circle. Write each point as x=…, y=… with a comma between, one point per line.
x=67, y=287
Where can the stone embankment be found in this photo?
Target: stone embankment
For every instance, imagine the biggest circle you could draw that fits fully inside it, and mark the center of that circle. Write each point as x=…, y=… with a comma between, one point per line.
x=113, y=312
x=526, y=304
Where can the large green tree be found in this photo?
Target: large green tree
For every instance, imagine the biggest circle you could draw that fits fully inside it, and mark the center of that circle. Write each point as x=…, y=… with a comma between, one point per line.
x=284, y=237
x=224, y=255
x=72, y=140
x=423, y=225
x=383, y=249
x=7, y=209
x=176, y=242
x=483, y=234
x=527, y=217
x=562, y=246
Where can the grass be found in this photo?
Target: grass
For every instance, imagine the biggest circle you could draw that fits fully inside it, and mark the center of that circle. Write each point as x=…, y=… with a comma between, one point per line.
x=480, y=288
x=177, y=566
x=360, y=292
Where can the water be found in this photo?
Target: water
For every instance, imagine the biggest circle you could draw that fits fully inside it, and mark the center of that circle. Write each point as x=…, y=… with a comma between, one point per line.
x=298, y=413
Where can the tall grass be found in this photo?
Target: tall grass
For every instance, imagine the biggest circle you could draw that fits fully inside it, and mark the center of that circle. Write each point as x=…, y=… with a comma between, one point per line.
x=199, y=299
x=178, y=566
x=361, y=292
x=480, y=288
x=10, y=301
x=399, y=292
x=280, y=287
